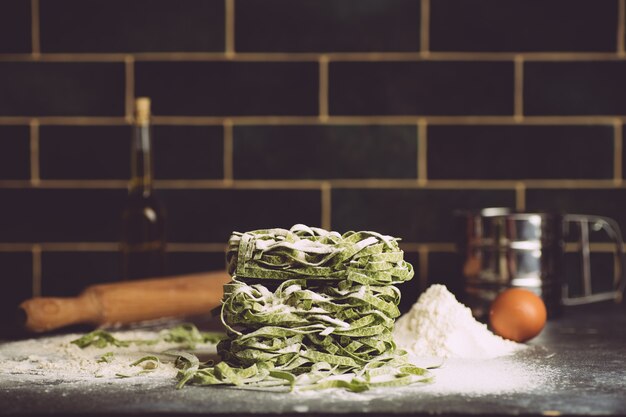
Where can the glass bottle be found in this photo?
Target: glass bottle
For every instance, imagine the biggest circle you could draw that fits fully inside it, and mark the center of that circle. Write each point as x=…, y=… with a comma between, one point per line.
x=143, y=236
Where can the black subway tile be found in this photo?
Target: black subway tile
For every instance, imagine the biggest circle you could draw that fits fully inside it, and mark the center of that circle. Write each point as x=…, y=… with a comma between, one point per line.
x=520, y=152
x=135, y=26
x=327, y=25
x=575, y=88
x=415, y=215
x=60, y=215
x=16, y=277
x=521, y=25
x=192, y=262
x=14, y=153
x=212, y=215
x=446, y=268
x=61, y=89
x=421, y=88
x=103, y=152
x=606, y=202
x=84, y=152
x=188, y=152
x=229, y=88
x=15, y=29
x=323, y=152
x=66, y=274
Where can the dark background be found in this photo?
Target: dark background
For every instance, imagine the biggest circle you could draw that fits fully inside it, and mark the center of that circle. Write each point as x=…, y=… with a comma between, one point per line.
x=384, y=115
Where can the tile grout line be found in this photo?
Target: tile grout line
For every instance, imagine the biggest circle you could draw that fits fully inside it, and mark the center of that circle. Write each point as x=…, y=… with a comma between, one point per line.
x=425, y=28
x=315, y=56
x=129, y=88
x=96, y=184
x=621, y=27
x=518, y=88
x=520, y=196
x=65, y=120
x=422, y=152
x=326, y=197
x=229, y=28
x=323, y=88
x=332, y=120
x=37, y=278
x=16, y=247
x=228, y=152
x=35, y=179
x=35, y=29
x=79, y=246
x=618, y=147
x=409, y=183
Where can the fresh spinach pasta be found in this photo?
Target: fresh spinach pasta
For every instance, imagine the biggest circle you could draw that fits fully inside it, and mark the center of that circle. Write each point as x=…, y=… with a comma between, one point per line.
x=310, y=309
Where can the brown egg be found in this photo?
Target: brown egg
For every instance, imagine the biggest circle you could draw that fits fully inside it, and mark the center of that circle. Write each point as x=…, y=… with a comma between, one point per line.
x=517, y=314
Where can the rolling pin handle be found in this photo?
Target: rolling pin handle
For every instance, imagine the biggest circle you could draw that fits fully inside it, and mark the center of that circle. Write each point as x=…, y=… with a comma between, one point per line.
x=47, y=313
x=128, y=302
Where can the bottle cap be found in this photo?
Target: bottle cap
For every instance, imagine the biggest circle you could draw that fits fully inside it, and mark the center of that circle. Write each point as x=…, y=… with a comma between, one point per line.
x=142, y=110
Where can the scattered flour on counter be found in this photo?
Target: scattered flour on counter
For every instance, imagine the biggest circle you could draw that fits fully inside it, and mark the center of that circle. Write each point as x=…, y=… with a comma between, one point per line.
x=56, y=358
x=503, y=375
x=477, y=362
x=438, y=325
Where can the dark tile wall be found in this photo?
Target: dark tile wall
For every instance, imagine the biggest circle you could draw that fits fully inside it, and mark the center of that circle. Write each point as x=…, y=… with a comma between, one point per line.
x=326, y=147
x=435, y=88
x=15, y=27
x=327, y=26
x=524, y=26
x=14, y=153
x=416, y=214
x=188, y=152
x=103, y=152
x=186, y=88
x=210, y=215
x=37, y=214
x=386, y=115
x=143, y=26
x=575, y=88
x=61, y=88
x=520, y=152
x=84, y=152
x=17, y=272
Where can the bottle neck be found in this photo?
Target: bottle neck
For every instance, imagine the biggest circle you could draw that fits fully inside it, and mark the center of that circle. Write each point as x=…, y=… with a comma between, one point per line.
x=141, y=159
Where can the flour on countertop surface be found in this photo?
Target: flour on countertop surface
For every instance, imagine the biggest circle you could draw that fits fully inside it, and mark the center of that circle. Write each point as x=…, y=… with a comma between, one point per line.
x=57, y=358
x=476, y=363
x=438, y=325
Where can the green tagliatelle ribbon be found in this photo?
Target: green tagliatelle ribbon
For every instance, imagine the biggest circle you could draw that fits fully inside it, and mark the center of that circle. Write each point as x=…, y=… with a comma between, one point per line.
x=313, y=253
x=309, y=309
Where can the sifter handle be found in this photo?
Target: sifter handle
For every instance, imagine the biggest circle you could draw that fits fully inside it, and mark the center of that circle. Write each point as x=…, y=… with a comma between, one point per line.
x=612, y=229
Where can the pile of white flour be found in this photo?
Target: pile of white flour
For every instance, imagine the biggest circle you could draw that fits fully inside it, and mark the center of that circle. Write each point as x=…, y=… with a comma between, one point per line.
x=438, y=325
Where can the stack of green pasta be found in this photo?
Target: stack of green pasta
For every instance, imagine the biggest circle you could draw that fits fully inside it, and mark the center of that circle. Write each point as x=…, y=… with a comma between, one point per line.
x=310, y=309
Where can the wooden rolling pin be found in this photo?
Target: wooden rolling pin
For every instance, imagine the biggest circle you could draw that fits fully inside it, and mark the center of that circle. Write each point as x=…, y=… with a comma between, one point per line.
x=128, y=302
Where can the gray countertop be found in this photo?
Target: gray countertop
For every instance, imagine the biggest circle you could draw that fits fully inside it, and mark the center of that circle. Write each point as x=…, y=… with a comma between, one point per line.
x=577, y=366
